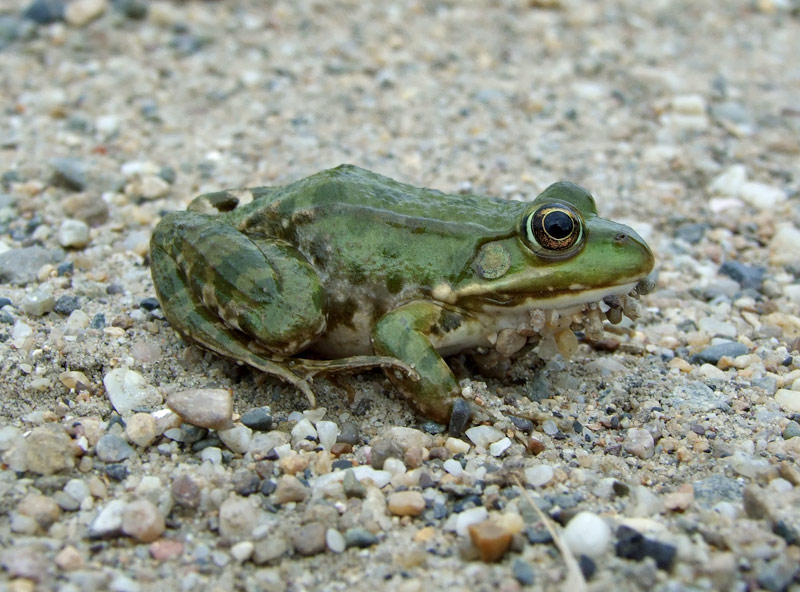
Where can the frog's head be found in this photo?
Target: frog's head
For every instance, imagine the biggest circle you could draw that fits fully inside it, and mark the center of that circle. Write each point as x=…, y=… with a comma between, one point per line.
x=562, y=253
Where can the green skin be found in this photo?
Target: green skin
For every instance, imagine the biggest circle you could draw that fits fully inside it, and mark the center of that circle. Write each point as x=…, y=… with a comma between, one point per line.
x=365, y=271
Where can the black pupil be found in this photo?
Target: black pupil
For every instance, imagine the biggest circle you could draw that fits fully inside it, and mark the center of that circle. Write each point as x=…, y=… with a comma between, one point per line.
x=558, y=225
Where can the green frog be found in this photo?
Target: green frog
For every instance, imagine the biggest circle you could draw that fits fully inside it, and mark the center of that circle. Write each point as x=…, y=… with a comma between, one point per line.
x=364, y=271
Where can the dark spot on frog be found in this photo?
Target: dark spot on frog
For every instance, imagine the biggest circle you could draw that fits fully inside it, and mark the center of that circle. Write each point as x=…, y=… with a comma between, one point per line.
x=449, y=320
x=342, y=313
x=394, y=283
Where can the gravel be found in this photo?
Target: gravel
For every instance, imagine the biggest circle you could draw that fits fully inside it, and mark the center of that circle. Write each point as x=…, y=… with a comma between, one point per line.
x=665, y=451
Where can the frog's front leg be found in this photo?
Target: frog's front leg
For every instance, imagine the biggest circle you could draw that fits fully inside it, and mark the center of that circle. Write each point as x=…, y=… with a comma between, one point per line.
x=404, y=334
x=228, y=292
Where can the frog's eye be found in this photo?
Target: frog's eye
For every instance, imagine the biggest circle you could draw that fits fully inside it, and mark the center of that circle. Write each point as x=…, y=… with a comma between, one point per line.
x=553, y=230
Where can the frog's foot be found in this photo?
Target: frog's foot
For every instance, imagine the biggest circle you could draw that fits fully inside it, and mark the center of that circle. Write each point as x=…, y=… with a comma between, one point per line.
x=310, y=368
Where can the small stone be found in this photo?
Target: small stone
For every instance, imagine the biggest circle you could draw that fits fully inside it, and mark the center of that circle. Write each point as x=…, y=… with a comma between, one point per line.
x=459, y=417
x=69, y=559
x=639, y=442
x=483, y=436
x=633, y=545
x=788, y=400
x=165, y=549
x=43, y=509
x=77, y=489
x=21, y=266
x=237, y=438
x=207, y=408
x=468, y=517
x=778, y=574
x=491, y=540
x=186, y=491
x=25, y=561
x=270, y=549
x=48, y=449
x=539, y=475
x=456, y=446
x=499, y=447
x=141, y=429
x=327, y=431
x=290, y=489
x=258, y=419
x=70, y=173
x=81, y=12
x=211, y=454
x=44, y=12
x=242, y=551
x=523, y=572
x=117, y=471
x=761, y=195
x=37, y=303
x=73, y=234
x=303, y=430
x=349, y=434
x=535, y=446
x=783, y=247
x=127, y=390
x=587, y=534
x=712, y=355
x=148, y=187
x=294, y=463
x=238, y=516
x=383, y=449
x=406, y=503
x=680, y=500
x=68, y=304
x=352, y=486
x=792, y=430
x=108, y=521
x=309, y=539
x=748, y=276
x=522, y=424
x=359, y=537
x=453, y=467
x=142, y=521
x=588, y=566
x=335, y=541
x=245, y=482
x=112, y=449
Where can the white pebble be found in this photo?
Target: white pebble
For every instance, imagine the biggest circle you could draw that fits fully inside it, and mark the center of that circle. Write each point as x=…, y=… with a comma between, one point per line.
x=499, y=447
x=453, y=467
x=788, y=400
x=785, y=244
x=327, y=431
x=108, y=520
x=236, y=438
x=761, y=195
x=241, y=552
x=468, y=517
x=335, y=540
x=539, y=475
x=456, y=445
x=587, y=534
x=483, y=436
x=211, y=454
x=395, y=466
x=127, y=390
x=729, y=181
x=689, y=104
x=303, y=430
x=73, y=234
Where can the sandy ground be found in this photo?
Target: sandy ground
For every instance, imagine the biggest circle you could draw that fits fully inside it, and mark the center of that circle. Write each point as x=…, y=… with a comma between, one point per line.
x=682, y=118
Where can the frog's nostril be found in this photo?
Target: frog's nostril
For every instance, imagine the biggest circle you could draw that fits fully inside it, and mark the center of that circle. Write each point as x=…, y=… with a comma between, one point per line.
x=620, y=237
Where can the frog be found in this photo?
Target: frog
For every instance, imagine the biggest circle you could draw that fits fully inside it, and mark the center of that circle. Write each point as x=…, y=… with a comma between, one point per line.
x=355, y=270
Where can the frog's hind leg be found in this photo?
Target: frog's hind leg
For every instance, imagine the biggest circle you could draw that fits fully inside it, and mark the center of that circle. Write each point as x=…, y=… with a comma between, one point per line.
x=195, y=323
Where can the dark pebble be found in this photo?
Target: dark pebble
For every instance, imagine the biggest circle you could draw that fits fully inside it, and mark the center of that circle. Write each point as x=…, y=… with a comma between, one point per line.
x=538, y=535
x=523, y=572
x=113, y=289
x=426, y=481
x=352, y=486
x=342, y=464
x=65, y=268
x=384, y=449
x=588, y=566
x=521, y=423
x=539, y=388
x=70, y=173
x=111, y=448
x=459, y=417
x=98, y=321
x=168, y=174
x=712, y=355
x=191, y=434
x=787, y=532
x=431, y=427
x=4, y=301
x=745, y=275
x=67, y=304
x=349, y=433
x=792, y=430
x=692, y=233
x=359, y=537
x=117, y=471
x=633, y=545
x=440, y=511
x=620, y=489
x=149, y=303
x=45, y=12
x=259, y=419
x=245, y=482
x=133, y=9
x=186, y=491
x=268, y=486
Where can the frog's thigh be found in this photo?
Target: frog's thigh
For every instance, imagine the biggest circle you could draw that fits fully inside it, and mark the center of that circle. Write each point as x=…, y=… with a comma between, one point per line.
x=403, y=334
x=260, y=287
x=195, y=323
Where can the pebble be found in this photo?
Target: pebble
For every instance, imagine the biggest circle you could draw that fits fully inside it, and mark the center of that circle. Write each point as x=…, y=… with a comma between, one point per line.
x=38, y=302
x=242, y=551
x=270, y=549
x=141, y=429
x=69, y=305
x=165, y=549
x=142, y=521
x=44, y=12
x=237, y=438
x=459, y=417
x=491, y=540
x=245, y=482
x=483, y=436
x=352, y=486
x=639, y=442
x=70, y=173
x=186, y=491
x=456, y=445
x=463, y=520
x=47, y=450
x=747, y=276
x=523, y=572
x=633, y=545
x=207, y=408
x=792, y=430
x=43, y=509
x=587, y=534
x=453, y=467
x=112, y=449
x=25, y=561
x=778, y=574
x=77, y=489
x=406, y=503
x=303, y=430
x=310, y=539
x=783, y=246
x=211, y=454
x=499, y=447
x=539, y=475
x=789, y=400
x=81, y=12
x=335, y=541
x=359, y=537
x=69, y=559
x=290, y=489
x=712, y=354
x=108, y=521
x=761, y=195
x=327, y=431
x=73, y=234
x=258, y=419
x=409, y=437
x=238, y=517
x=382, y=450
x=349, y=433
x=128, y=390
